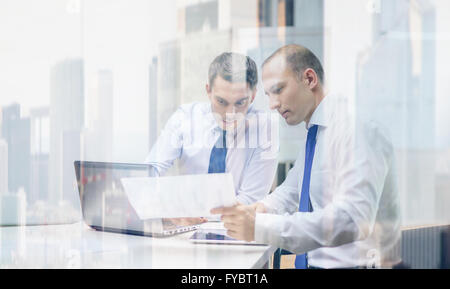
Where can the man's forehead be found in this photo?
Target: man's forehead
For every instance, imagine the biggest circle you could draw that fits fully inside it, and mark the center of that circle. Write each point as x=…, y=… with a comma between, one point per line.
x=275, y=65
x=273, y=79
x=222, y=84
x=277, y=61
x=275, y=71
x=232, y=91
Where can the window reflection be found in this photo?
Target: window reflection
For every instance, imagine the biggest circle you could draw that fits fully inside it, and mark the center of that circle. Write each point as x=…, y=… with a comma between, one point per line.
x=101, y=84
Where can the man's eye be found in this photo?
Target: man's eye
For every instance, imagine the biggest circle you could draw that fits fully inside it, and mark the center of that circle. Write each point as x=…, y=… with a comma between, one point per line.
x=278, y=90
x=241, y=103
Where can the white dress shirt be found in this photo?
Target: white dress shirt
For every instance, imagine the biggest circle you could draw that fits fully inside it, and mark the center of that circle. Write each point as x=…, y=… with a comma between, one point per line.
x=353, y=191
x=191, y=133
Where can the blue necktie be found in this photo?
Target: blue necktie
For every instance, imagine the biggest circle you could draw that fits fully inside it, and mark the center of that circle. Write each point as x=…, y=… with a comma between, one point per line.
x=301, y=261
x=218, y=155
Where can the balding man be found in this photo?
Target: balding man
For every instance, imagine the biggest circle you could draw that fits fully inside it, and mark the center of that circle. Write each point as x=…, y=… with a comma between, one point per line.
x=338, y=207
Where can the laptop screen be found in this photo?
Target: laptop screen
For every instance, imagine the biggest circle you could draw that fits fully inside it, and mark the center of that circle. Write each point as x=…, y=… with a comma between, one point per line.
x=103, y=200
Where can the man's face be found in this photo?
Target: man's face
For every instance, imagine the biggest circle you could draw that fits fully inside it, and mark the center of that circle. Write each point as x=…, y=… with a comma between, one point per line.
x=290, y=96
x=229, y=101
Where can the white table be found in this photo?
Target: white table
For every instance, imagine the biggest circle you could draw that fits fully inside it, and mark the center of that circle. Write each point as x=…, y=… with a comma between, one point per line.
x=78, y=246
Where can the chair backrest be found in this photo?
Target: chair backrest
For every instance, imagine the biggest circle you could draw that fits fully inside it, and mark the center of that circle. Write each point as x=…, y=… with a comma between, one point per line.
x=445, y=248
x=425, y=248
x=422, y=248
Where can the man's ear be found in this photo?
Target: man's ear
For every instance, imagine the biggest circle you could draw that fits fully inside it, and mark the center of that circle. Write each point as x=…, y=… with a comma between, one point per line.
x=310, y=78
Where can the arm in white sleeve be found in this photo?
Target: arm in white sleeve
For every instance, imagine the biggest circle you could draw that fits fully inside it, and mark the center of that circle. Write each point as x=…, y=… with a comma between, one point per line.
x=169, y=145
x=363, y=163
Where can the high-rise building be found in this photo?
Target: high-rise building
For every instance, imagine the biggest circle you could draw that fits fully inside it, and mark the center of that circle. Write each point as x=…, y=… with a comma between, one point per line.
x=66, y=124
x=40, y=147
x=254, y=28
x=98, y=136
x=403, y=98
x=3, y=166
x=396, y=86
x=9, y=114
x=16, y=132
x=207, y=28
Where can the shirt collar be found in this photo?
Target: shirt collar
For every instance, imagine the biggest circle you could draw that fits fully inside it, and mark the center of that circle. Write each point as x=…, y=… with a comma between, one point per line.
x=322, y=114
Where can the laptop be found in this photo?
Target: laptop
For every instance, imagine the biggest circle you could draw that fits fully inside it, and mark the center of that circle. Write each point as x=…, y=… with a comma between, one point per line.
x=105, y=205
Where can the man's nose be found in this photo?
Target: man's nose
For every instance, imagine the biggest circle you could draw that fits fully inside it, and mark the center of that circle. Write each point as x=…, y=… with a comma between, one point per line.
x=274, y=102
x=230, y=110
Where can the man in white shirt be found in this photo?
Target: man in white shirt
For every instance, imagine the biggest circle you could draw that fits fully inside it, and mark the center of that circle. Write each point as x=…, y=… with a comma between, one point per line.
x=224, y=135
x=339, y=203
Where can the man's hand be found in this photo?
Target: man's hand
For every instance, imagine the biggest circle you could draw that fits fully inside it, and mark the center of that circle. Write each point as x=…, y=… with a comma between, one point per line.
x=187, y=221
x=259, y=208
x=239, y=220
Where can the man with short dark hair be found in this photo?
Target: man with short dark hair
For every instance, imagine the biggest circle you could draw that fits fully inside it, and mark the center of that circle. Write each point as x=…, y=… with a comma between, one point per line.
x=224, y=135
x=339, y=203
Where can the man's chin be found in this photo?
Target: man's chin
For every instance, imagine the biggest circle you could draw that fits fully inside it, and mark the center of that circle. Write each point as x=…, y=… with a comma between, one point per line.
x=292, y=122
x=228, y=127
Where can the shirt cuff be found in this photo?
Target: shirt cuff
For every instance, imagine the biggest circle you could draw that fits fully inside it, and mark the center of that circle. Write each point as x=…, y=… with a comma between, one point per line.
x=271, y=209
x=268, y=228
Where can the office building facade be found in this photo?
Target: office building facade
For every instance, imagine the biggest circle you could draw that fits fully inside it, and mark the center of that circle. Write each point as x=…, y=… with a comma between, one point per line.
x=3, y=166
x=16, y=132
x=66, y=125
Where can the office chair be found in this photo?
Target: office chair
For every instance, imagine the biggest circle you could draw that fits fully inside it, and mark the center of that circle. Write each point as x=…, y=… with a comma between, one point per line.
x=426, y=248
x=445, y=248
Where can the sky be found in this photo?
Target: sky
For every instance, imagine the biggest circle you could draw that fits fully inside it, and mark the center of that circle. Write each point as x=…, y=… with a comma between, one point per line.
x=117, y=35
x=36, y=34
x=33, y=35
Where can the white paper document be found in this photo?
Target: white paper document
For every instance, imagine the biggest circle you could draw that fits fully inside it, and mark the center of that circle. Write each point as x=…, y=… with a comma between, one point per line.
x=179, y=196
